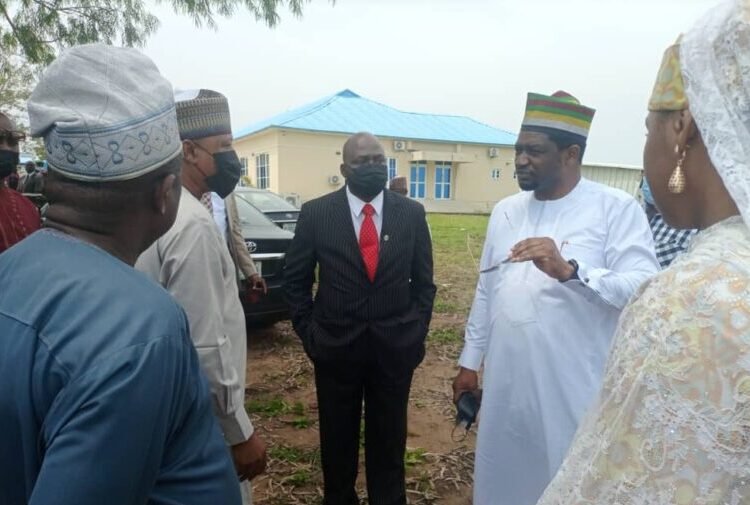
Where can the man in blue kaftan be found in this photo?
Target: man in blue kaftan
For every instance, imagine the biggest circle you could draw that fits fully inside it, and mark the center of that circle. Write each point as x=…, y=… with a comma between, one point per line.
x=102, y=400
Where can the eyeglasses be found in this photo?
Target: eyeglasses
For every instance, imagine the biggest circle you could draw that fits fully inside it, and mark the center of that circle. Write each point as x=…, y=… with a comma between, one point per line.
x=11, y=136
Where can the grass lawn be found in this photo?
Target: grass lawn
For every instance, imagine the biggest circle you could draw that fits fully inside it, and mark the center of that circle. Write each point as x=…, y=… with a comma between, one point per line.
x=457, y=242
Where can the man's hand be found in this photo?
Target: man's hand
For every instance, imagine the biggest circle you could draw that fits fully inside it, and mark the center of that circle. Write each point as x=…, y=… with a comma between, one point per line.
x=249, y=457
x=545, y=255
x=258, y=283
x=466, y=380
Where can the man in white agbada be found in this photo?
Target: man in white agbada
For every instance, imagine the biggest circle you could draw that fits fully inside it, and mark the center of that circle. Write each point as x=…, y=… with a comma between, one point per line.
x=560, y=261
x=193, y=263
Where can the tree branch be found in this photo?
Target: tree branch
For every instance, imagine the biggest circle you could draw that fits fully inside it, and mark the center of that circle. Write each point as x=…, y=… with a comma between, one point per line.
x=39, y=27
x=10, y=21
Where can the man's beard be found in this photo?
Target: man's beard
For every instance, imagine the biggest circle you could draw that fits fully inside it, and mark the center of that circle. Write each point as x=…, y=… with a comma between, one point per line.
x=529, y=185
x=526, y=181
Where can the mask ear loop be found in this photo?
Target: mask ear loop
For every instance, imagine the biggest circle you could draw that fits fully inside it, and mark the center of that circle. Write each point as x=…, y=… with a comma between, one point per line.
x=196, y=144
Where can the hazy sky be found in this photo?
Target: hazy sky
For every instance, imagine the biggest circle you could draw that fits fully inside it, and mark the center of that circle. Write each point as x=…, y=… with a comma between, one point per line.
x=467, y=57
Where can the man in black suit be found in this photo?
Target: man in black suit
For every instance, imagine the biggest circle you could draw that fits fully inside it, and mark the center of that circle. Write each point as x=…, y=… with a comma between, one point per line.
x=366, y=327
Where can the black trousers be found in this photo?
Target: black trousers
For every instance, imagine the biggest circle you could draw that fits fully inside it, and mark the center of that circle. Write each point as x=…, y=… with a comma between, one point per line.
x=341, y=389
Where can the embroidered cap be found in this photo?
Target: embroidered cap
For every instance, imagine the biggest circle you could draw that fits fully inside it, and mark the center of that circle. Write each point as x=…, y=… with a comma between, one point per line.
x=561, y=111
x=105, y=113
x=202, y=113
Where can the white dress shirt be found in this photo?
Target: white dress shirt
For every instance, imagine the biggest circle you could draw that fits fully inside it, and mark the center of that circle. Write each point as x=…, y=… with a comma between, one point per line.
x=358, y=217
x=220, y=214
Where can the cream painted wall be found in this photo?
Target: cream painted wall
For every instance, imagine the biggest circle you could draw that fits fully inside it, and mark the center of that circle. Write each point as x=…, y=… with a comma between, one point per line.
x=262, y=143
x=301, y=163
x=308, y=161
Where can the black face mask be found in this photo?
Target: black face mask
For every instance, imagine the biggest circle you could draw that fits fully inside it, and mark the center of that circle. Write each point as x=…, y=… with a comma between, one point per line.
x=8, y=162
x=368, y=180
x=228, y=171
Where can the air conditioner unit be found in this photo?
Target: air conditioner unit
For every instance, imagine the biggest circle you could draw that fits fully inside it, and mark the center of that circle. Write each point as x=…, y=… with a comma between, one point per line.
x=493, y=152
x=293, y=199
x=334, y=180
x=399, y=145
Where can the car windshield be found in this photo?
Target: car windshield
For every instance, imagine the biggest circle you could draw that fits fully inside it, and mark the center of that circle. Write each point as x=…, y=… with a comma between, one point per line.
x=249, y=215
x=266, y=201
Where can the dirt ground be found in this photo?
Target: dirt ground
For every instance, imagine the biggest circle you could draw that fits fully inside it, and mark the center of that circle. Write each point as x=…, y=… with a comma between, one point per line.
x=282, y=403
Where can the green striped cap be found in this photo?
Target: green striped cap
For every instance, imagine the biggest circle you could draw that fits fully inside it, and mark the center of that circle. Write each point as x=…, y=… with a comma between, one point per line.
x=561, y=111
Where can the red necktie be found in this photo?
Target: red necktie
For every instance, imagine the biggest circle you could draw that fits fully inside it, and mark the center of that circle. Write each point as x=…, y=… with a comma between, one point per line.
x=368, y=242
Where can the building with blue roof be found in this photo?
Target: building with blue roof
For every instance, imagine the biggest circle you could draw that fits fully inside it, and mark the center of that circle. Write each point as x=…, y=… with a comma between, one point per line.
x=347, y=112
x=452, y=163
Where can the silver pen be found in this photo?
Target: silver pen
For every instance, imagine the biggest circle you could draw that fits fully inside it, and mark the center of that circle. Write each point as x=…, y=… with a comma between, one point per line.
x=496, y=267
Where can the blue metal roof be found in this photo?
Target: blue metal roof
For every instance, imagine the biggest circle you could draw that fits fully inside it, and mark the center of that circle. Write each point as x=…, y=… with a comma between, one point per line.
x=347, y=112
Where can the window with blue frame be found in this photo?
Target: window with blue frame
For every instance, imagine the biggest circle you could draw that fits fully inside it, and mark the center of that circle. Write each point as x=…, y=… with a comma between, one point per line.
x=392, y=172
x=417, y=178
x=442, y=180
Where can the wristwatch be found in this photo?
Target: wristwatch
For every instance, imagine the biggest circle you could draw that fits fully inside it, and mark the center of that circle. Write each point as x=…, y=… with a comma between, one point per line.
x=574, y=264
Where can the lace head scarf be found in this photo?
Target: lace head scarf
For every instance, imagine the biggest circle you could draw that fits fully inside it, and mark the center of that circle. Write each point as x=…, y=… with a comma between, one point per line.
x=715, y=61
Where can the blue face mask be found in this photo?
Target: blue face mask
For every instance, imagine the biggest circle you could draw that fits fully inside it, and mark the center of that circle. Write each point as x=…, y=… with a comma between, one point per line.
x=646, y=190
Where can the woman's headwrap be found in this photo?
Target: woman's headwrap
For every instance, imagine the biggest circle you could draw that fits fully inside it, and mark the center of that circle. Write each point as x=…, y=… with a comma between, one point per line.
x=669, y=90
x=714, y=62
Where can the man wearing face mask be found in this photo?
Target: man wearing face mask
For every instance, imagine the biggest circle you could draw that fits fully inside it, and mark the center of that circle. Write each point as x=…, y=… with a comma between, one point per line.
x=18, y=216
x=365, y=329
x=193, y=263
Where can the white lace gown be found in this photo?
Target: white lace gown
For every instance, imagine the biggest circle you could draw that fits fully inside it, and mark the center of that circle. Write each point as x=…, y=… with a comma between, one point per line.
x=672, y=423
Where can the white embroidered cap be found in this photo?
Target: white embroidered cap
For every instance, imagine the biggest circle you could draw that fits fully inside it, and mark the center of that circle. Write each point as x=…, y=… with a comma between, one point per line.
x=715, y=61
x=105, y=113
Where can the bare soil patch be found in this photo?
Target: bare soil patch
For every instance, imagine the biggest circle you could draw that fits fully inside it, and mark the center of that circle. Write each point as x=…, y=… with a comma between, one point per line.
x=281, y=399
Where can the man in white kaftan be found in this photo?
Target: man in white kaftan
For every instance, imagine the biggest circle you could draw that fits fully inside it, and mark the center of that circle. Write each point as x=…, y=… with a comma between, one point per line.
x=559, y=264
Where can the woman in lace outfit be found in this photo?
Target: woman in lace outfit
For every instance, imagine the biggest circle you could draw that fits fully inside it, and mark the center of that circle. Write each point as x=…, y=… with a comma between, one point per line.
x=672, y=423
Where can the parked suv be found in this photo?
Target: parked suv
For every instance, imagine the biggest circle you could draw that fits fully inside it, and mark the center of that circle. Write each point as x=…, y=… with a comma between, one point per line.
x=281, y=212
x=267, y=244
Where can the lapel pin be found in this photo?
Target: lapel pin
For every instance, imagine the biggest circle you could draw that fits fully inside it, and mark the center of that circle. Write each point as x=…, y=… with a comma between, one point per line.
x=385, y=238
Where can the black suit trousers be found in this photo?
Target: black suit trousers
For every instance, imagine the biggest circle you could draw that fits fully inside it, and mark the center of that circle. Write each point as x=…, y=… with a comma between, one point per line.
x=341, y=388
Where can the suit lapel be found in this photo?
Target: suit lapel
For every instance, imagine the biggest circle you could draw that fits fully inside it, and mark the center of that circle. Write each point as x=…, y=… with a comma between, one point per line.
x=391, y=218
x=343, y=222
